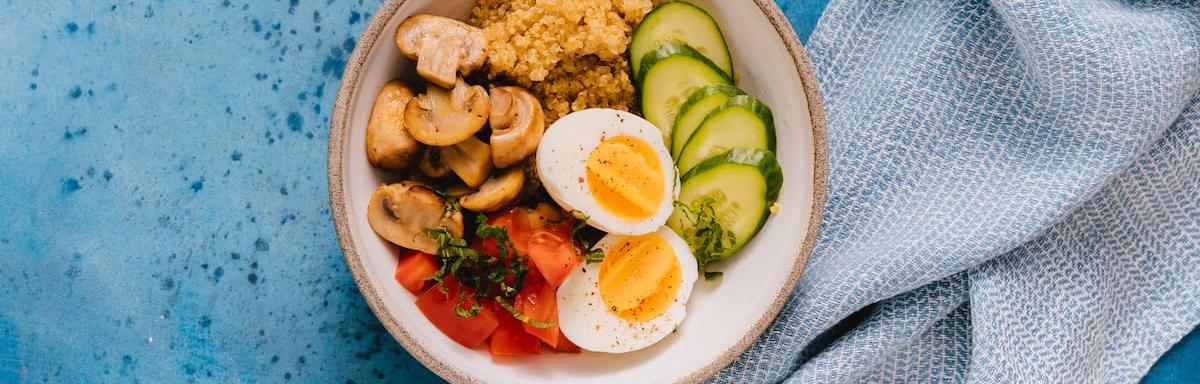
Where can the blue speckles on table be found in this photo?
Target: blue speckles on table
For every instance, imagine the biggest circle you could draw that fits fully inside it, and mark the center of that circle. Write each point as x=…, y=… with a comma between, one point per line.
x=164, y=181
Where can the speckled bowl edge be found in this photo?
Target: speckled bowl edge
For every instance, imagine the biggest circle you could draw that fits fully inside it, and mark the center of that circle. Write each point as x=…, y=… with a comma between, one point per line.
x=339, y=204
x=820, y=186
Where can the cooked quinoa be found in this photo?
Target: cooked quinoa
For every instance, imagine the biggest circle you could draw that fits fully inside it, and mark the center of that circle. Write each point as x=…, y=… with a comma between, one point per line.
x=571, y=53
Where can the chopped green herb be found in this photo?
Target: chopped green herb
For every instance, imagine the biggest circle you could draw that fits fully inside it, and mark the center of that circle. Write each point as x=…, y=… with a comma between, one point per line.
x=708, y=239
x=469, y=312
x=486, y=276
x=585, y=247
x=594, y=256
x=521, y=316
x=450, y=204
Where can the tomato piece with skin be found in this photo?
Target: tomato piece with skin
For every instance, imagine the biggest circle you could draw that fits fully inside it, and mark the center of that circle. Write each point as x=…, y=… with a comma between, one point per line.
x=518, y=232
x=554, y=256
x=510, y=337
x=488, y=246
x=414, y=269
x=438, y=307
x=537, y=300
x=566, y=346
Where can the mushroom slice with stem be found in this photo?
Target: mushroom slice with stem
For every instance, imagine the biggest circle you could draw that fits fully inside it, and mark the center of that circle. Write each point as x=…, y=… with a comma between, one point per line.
x=441, y=117
x=443, y=47
x=401, y=212
x=498, y=191
x=389, y=146
x=470, y=159
x=431, y=164
x=517, y=125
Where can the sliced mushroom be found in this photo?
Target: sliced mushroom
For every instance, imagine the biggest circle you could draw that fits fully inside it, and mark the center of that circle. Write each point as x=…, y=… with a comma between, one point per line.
x=431, y=164
x=443, y=47
x=470, y=159
x=499, y=191
x=401, y=212
x=389, y=146
x=459, y=190
x=443, y=117
x=517, y=125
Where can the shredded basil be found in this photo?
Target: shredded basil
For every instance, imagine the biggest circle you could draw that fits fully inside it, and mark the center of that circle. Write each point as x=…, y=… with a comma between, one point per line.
x=521, y=316
x=585, y=247
x=485, y=275
x=707, y=238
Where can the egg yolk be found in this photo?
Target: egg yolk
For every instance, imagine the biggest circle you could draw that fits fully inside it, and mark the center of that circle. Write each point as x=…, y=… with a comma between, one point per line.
x=625, y=177
x=639, y=277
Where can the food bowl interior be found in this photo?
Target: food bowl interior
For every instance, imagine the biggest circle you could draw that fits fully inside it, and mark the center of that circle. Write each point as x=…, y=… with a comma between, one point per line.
x=722, y=316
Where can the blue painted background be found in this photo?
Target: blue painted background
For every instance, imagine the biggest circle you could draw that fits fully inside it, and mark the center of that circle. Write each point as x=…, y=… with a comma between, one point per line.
x=162, y=175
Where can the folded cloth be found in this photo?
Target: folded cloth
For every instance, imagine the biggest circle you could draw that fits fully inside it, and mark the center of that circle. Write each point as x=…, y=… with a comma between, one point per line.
x=1014, y=195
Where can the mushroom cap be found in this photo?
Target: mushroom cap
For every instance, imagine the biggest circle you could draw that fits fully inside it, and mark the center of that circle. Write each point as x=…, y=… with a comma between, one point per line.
x=442, y=47
x=498, y=191
x=442, y=117
x=400, y=213
x=517, y=125
x=389, y=146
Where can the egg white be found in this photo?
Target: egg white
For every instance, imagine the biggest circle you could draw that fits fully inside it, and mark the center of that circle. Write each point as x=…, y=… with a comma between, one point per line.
x=562, y=166
x=584, y=320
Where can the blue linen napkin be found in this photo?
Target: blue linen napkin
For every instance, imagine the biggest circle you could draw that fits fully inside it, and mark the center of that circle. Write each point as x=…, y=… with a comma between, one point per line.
x=1014, y=195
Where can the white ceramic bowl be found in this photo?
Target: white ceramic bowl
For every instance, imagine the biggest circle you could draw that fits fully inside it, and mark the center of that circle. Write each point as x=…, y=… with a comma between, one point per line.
x=724, y=317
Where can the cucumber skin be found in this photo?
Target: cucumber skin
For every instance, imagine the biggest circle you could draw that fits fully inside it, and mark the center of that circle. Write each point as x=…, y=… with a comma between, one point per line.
x=763, y=161
x=636, y=73
x=696, y=97
x=745, y=102
x=671, y=49
x=663, y=53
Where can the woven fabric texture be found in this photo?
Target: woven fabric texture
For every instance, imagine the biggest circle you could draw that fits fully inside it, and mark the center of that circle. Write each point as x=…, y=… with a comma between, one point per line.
x=1014, y=195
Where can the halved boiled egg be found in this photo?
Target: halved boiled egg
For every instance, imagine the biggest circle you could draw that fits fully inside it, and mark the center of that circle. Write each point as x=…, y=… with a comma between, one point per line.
x=611, y=166
x=632, y=299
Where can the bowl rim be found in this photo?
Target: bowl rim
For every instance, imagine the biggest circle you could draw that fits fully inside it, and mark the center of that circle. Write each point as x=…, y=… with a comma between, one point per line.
x=338, y=134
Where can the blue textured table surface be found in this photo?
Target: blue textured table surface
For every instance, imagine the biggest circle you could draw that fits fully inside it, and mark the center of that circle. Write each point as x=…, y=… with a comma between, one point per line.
x=163, y=166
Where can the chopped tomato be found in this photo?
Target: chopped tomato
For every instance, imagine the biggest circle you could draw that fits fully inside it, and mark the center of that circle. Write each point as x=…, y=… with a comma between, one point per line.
x=413, y=270
x=554, y=256
x=566, y=346
x=538, y=301
x=438, y=307
x=488, y=246
x=518, y=232
x=510, y=338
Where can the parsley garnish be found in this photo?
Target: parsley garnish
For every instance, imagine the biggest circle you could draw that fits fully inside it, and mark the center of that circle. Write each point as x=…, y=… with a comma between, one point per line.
x=486, y=275
x=521, y=316
x=710, y=241
x=585, y=247
x=450, y=204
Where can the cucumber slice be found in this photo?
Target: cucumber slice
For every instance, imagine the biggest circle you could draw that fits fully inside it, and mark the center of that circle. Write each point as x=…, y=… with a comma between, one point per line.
x=671, y=73
x=695, y=109
x=743, y=183
x=742, y=122
x=683, y=23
